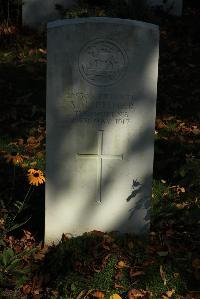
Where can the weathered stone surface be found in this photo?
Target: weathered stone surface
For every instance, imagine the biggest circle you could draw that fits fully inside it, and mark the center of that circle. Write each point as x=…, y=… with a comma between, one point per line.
x=36, y=13
x=101, y=105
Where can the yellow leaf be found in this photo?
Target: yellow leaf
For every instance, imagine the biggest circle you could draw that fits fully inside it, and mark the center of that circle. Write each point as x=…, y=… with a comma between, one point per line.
x=115, y=296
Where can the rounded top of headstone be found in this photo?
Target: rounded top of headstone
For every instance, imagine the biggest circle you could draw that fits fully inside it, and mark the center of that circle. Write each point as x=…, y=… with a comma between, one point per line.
x=129, y=22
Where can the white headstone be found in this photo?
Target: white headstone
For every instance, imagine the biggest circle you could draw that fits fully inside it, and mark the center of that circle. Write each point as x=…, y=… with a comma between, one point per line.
x=172, y=7
x=101, y=106
x=36, y=13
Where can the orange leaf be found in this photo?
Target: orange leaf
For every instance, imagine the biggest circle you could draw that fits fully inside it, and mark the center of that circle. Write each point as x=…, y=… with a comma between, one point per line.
x=98, y=294
x=31, y=140
x=121, y=265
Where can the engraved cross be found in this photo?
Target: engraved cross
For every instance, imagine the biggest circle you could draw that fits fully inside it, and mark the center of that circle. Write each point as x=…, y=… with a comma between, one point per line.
x=99, y=158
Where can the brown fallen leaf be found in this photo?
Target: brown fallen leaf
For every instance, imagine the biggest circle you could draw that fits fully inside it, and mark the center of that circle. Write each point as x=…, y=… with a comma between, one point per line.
x=105, y=246
x=118, y=275
x=196, y=263
x=136, y=273
x=160, y=124
x=26, y=289
x=134, y=293
x=118, y=286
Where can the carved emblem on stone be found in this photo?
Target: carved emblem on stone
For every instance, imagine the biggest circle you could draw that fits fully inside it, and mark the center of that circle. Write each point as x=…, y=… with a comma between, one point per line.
x=102, y=62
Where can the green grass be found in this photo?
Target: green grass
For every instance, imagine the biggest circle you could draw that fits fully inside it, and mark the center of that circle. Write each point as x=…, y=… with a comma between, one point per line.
x=83, y=263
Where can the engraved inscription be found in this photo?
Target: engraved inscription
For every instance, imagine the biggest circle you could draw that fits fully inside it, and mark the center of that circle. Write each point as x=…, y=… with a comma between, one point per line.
x=102, y=62
x=99, y=109
x=99, y=157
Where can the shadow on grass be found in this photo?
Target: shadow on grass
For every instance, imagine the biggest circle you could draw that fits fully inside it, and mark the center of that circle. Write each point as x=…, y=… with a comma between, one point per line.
x=92, y=262
x=22, y=93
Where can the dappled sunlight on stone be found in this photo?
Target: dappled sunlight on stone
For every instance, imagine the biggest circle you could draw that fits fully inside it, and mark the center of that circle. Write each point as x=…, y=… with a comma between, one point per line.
x=101, y=98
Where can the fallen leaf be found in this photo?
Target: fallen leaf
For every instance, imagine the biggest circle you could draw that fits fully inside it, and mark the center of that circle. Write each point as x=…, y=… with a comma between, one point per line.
x=166, y=117
x=20, y=141
x=163, y=275
x=55, y=293
x=196, y=131
x=170, y=293
x=42, y=60
x=42, y=51
x=115, y=296
x=80, y=294
x=88, y=292
x=163, y=181
x=121, y=265
x=176, y=275
x=181, y=205
x=134, y=293
x=26, y=289
x=160, y=124
x=118, y=275
x=136, y=273
x=118, y=286
x=105, y=246
x=196, y=263
x=149, y=262
x=98, y=294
